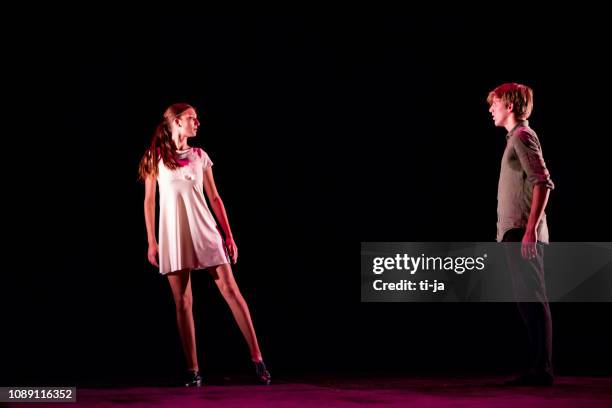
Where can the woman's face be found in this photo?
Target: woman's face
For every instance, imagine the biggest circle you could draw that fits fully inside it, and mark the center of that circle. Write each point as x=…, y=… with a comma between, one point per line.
x=188, y=123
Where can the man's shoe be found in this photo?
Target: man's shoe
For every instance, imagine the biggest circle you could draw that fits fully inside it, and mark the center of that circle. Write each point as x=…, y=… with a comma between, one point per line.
x=262, y=373
x=193, y=379
x=532, y=380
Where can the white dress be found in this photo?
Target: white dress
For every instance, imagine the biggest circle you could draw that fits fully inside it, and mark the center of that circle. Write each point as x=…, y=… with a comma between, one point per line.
x=188, y=235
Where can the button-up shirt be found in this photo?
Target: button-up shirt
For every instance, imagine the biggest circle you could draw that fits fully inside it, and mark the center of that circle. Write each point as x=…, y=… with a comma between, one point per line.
x=522, y=167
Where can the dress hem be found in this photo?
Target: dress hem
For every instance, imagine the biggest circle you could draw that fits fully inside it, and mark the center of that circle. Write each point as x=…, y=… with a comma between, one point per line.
x=193, y=268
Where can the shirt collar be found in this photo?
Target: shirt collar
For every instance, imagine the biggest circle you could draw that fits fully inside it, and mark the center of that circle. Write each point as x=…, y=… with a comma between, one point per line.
x=521, y=123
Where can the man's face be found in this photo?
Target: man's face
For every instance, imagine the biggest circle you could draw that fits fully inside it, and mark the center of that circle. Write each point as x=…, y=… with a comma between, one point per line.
x=500, y=112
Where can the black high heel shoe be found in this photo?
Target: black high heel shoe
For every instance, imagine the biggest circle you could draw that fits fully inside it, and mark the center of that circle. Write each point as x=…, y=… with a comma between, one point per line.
x=262, y=373
x=193, y=379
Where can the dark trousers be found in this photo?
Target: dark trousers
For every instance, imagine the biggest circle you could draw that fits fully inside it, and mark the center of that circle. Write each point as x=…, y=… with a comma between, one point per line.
x=530, y=292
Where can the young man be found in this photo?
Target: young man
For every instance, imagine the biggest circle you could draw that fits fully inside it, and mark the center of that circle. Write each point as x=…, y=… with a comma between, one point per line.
x=524, y=187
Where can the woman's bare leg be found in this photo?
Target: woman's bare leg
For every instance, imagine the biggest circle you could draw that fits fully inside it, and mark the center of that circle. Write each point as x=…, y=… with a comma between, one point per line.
x=224, y=278
x=180, y=283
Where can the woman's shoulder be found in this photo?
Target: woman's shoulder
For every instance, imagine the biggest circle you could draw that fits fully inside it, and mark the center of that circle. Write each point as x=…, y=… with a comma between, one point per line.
x=202, y=157
x=199, y=152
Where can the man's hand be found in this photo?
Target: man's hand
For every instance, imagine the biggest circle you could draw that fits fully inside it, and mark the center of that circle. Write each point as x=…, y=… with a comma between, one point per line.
x=528, y=247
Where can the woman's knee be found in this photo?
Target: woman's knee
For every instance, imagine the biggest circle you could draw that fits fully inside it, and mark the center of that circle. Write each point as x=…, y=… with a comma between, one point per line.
x=229, y=291
x=184, y=302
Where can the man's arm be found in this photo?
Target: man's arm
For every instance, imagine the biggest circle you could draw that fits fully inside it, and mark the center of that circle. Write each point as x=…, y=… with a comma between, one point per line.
x=538, y=204
x=527, y=148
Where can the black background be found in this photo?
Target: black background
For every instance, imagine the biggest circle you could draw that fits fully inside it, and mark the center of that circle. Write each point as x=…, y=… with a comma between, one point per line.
x=325, y=132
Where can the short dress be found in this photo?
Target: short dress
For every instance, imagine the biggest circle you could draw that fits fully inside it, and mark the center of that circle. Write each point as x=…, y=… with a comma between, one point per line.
x=188, y=234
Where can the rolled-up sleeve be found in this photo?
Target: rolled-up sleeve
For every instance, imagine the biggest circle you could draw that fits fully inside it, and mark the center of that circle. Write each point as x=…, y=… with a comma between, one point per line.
x=529, y=152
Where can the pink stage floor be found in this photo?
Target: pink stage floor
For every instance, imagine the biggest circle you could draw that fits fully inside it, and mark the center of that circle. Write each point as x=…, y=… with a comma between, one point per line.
x=412, y=392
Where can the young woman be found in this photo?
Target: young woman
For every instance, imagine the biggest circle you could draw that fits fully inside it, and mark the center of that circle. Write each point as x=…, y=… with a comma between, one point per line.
x=188, y=234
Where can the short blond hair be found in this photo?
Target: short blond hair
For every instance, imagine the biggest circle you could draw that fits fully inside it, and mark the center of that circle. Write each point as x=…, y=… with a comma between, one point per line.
x=519, y=95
